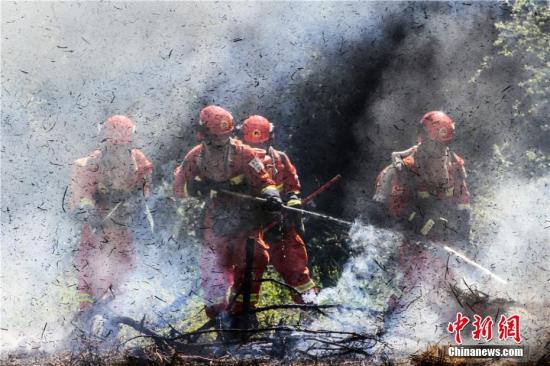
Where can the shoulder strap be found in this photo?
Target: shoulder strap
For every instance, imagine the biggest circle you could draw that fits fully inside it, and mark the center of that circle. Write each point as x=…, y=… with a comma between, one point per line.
x=458, y=163
x=273, y=154
x=200, y=157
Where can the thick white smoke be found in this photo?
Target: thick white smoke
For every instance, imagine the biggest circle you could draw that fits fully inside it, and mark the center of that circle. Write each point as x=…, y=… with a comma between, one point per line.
x=516, y=249
x=67, y=66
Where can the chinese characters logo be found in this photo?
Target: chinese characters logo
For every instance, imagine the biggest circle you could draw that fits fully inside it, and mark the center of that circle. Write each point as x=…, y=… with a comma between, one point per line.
x=508, y=328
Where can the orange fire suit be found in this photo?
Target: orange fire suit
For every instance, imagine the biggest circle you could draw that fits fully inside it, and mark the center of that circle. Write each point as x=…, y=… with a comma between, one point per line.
x=409, y=197
x=105, y=255
x=228, y=223
x=287, y=250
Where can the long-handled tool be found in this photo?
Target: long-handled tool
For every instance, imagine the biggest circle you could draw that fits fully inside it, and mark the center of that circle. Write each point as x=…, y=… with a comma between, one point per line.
x=246, y=287
x=349, y=224
x=321, y=189
x=148, y=215
x=309, y=198
x=288, y=208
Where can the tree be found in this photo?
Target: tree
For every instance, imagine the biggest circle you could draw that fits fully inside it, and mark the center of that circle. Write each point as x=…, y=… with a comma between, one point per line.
x=526, y=37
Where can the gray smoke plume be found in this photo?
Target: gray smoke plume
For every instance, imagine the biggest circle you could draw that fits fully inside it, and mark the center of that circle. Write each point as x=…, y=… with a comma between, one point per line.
x=343, y=83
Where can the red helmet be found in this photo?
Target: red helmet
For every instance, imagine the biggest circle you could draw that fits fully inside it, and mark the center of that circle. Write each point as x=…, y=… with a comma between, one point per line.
x=256, y=130
x=438, y=126
x=216, y=121
x=118, y=130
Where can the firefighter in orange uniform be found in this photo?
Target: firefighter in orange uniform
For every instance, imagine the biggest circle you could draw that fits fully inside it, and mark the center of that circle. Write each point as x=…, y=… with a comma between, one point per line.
x=425, y=190
x=426, y=184
x=221, y=162
x=106, y=188
x=287, y=251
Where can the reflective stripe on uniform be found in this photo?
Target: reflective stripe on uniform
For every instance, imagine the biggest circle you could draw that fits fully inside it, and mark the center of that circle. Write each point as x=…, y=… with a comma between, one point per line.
x=427, y=227
x=85, y=202
x=412, y=216
x=423, y=194
x=85, y=297
x=185, y=193
x=463, y=206
x=102, y=188
x=306, y=286
x=253, y=298
x=238, y=179
x=294, y=202
x=280, y=187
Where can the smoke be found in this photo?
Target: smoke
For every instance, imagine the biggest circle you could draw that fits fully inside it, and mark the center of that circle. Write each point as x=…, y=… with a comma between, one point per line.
x=518, y=249
x=158, y=63
x=375, y=276
x=342, y=82
x=367, y=283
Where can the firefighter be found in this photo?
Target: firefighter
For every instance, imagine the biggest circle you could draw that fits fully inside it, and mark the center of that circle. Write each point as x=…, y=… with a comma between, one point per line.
x=425, y=189
x=104, y=188
x=221, y=162
x=426, y=184
x=287, y=250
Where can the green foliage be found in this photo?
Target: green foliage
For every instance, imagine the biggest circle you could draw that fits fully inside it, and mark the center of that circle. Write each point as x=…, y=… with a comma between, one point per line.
x=193, y=315
x=526, y=37
x=328, y=252
x=274, y=294
x=532, y=163
x=523, y=38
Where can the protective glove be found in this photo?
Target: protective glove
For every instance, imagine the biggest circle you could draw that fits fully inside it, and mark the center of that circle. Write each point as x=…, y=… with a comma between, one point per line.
x=273, y=201
x=198, y=187
x=293, y=218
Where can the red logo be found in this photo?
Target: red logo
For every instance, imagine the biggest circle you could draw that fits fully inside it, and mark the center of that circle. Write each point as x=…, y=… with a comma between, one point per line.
x=457, y=326
x=508, y=327
x=482, y=328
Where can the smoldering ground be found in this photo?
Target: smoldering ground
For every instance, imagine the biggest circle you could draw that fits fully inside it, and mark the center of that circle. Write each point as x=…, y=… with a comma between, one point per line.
x=516, y=250
x=343, y=82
